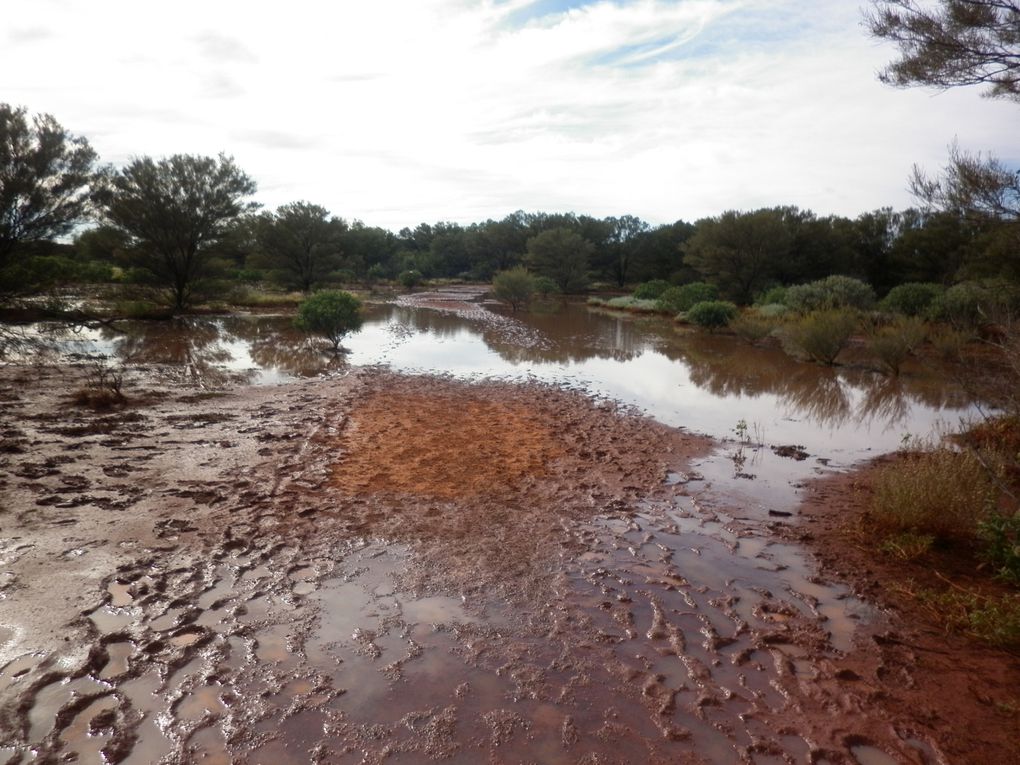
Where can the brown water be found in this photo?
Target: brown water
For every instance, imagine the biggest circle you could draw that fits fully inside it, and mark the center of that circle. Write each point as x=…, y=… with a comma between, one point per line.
x=676, y=627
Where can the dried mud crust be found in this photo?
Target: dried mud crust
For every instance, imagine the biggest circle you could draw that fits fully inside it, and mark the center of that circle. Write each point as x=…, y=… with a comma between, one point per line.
x=968, y=690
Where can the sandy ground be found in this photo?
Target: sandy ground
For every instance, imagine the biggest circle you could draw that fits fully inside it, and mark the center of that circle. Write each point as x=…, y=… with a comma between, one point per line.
x=380, y=568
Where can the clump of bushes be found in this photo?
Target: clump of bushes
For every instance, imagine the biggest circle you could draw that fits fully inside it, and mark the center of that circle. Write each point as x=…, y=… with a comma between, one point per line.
x=545, y=286
x=912, y=298
x=103, y=388
x=410, y=279
x=712, y=314
x=630, y=303
x=969, y=304
x=892, y=343
x=772, y=296
x=752, y=327
x=821, y=335
x=651, y=290
x=833, y=292
x=680, y=299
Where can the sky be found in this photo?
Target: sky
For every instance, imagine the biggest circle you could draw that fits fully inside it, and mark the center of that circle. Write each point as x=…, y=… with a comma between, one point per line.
x=397, y=112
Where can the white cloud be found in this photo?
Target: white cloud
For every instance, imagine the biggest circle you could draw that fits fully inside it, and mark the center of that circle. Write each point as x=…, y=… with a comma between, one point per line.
x=401, y=111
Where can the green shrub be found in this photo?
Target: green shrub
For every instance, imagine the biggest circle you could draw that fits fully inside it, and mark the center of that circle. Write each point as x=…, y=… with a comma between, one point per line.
x=712, y=314
x=893, y=343
x=772, y=310
x=410, y=279
x=1000, y=535
x=630, y=303
x=546, y=286
x=830, y=293
x=773, y=296
x=912, y=298
x=651, y=290
x=969, y=304
x=331, y=314
x=752, y=327
x=822, y=335
x=991, y=619
x=514, y=287
x=680, y=299
x=941, y=492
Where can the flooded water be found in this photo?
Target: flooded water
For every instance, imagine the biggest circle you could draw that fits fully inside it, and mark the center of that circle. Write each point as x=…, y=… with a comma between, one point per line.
x=675, y=626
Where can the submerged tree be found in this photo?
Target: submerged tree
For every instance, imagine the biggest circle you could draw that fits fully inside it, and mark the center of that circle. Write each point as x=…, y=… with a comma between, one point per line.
x=45, y=178
x=514, y=287
x=952, y=42
x=331, y=314
x=176, y=210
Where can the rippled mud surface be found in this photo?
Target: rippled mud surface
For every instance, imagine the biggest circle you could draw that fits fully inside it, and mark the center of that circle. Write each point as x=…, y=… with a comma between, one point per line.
x=375, y=567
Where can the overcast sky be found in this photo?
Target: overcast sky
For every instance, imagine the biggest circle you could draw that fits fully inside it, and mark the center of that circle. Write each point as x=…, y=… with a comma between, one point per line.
x=402, y=111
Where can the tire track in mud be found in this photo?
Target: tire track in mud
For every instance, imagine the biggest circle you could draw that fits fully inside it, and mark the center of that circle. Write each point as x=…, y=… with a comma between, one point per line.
x=260, y=608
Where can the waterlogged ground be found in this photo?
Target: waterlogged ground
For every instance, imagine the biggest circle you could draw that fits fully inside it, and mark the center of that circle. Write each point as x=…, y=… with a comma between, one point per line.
x=344, y=562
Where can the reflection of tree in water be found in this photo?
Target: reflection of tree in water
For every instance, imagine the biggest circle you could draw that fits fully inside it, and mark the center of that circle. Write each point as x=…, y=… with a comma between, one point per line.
x=191, y=344
x=274, y=343
x=725, y=366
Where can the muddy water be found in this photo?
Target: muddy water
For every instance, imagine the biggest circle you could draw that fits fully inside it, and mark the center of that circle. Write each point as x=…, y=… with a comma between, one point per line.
x=671, y=623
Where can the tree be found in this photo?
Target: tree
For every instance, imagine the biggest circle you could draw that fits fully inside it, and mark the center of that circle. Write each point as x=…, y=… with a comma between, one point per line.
x=952, y=42
x=739, y=252
x=302, y=241
x=562, y=255
x=331, y=314
x=514, y=287
x=971, y=185
x=176, y=210
x=45, y=179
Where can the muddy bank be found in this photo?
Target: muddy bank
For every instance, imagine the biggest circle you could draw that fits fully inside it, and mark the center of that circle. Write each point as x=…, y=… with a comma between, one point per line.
x=384, y=568
x=970, y=690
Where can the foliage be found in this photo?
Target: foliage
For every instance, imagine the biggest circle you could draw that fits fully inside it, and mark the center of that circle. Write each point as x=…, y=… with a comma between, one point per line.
x=651, y=290
x=514, y=287
x=301, y=241
x=331, y=314
x=176, y=210
x=45, y=178
x=949, y=342
x=772, y=310
x=631, y=303
x=712, y=314
x=912, y=298
x=562, y=255
x=752, y=327
x=992, y=619
x=942, y=492
x=410, y=279
x=952, y=42
x=546, y=286
x=907, y=545
x=680, y=299
x=103, y=388
x=972, y=185
x=1000, y=533
x=830, y=293
x=893, y=343
x=772, y=296
x=821, y=335
x=969, y=304
x=739, y=252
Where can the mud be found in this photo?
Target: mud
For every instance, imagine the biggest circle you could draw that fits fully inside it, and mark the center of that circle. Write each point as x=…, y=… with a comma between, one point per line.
x=374, y=567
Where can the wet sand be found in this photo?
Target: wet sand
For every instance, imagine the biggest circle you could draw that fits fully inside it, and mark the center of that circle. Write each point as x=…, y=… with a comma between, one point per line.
x=386, y=568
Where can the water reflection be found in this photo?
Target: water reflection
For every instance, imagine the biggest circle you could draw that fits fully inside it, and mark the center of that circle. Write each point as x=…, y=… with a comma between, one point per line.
x=700, y=381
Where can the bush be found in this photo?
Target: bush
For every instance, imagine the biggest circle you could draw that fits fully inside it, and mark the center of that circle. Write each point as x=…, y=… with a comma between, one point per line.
x=894, y=342
x=1000, y=534
x=822, y=335
x=772, y=310
x=969, y=304
x=680, y=299
x=830, y=293
x=773, y=296
x=629, y=303
x=410, y=279
x=545, y=286
x=912, y=298
x=331, y=314
x=651, y=290
x=752, y=327
x=941, y=492
x=712, y=314
x=514, y=287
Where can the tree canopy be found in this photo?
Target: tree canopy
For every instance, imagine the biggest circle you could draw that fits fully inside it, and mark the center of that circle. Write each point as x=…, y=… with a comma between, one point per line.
x=952, y=42
x=562, y=255
x=175, y=210
x=303, y=241
x=45, y=178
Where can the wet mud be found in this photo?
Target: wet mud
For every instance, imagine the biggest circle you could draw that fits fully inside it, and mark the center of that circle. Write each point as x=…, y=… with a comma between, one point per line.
x=382, y=568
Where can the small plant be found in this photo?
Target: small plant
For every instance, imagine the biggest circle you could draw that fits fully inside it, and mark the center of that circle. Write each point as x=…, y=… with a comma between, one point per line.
x=991, y=619
x=752, y=327
x=822, y=335
x=741, y=430
x=950, y=342
x=410, y=279
x=651, y=290
x=712, y=314
x=680, y=299
x=1000, y=534
x=331, y=314
x=831, y=293
x=893, y=343
x=104, y=386
x=514, y=287
x=628, y=303
x=907, y=545
x=773, y=296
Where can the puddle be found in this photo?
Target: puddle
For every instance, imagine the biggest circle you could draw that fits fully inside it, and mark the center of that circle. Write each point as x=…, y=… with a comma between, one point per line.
x=119, y=653
x=109, y=620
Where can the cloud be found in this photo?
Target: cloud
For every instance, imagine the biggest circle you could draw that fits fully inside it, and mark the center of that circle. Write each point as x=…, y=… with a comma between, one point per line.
x=28, y=35
x=221, y=48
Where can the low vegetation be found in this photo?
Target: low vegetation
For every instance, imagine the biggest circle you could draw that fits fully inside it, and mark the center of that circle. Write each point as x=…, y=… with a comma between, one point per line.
x=712, y=314
x=820, y=335
x=514, y=287
x=330, y=314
